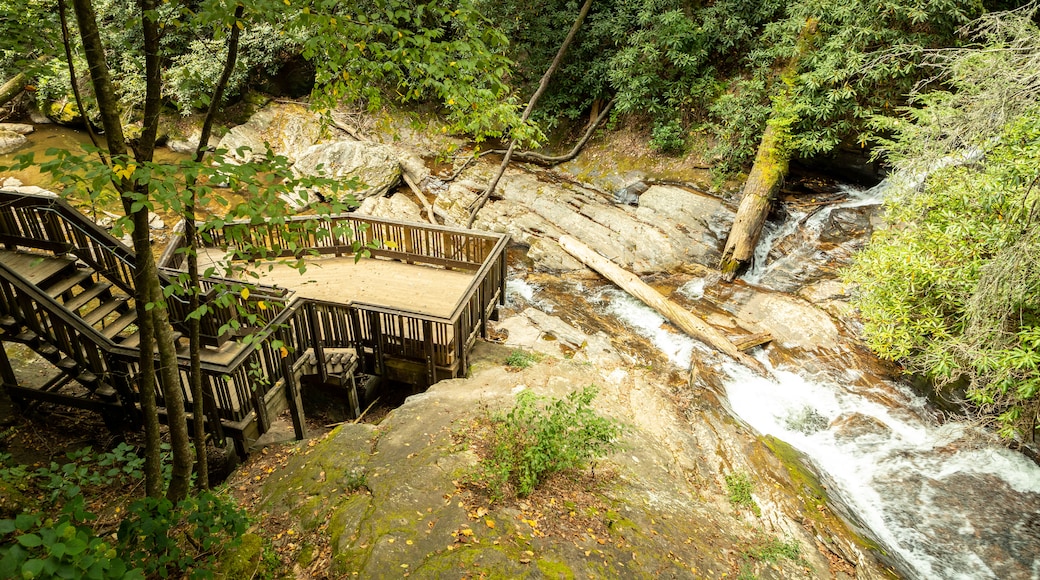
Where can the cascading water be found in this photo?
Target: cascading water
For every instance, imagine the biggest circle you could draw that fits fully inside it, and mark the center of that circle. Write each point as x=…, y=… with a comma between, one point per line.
x=940, y=498
x=800, y=233
x=942, y=503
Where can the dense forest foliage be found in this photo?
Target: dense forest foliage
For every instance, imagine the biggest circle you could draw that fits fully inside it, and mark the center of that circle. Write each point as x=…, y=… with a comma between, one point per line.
x=948, y=290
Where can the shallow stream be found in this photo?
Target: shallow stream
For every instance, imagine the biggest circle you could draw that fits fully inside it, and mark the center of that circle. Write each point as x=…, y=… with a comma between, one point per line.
x=941, y=498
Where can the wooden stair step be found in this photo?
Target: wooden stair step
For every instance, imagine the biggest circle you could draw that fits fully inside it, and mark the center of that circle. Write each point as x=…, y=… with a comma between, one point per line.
x=104, y=309
x=86, y=378
x=120, y=324
x=46, y=349
x=67, y=364
x=105, y=392
x=8, y=321
x=65, y=284
x=134, y=340
x=87, y=295
x=26, y=336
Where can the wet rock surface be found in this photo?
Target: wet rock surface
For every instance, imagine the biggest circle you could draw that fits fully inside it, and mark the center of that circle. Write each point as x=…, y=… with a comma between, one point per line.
x=665, y=510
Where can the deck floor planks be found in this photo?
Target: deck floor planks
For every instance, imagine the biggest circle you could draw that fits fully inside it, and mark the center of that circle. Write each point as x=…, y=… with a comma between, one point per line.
x=390, y=283
x=35, y=268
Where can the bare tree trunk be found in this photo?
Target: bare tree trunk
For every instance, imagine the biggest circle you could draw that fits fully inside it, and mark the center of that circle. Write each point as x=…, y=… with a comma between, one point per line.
x=190, y=237
x=74, y=82
x=144, y=278
x=767, y=174
x=542, y=85
x=554, y=160
x=629, y=282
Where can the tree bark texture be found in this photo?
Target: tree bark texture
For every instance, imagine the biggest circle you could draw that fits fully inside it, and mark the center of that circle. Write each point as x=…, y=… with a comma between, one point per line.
x=772, y=162
x=677, y=315
x=767, y=174
x=12, y=88
x=195, y=324
x=542, y=85
x=108, y=105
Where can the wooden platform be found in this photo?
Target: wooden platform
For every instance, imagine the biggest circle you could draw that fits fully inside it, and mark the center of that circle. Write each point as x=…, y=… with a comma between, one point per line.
x=390, y=283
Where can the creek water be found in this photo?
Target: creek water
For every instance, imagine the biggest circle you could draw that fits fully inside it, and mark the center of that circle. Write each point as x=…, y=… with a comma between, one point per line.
x=939, y=497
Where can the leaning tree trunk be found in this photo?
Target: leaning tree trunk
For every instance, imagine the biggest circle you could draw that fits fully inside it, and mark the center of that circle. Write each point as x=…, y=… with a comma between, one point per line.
x=195, y=323
x=144, y=278
x=13, y=87
x=767, y=174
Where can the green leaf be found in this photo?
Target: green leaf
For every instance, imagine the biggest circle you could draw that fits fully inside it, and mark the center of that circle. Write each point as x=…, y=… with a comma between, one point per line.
x=30, y=540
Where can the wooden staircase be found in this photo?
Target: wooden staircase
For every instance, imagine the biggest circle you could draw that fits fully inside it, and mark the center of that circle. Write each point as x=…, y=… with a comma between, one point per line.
x=67, y=293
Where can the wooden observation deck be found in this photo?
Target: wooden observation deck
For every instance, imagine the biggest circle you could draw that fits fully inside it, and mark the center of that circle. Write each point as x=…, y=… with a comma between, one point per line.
x=410, y=312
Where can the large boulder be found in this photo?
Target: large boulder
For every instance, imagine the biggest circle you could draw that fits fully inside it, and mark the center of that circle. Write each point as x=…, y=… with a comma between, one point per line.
x=9, y=141
x=671, y=226
x=375, y=167
x=396, y=207
x=287, y=129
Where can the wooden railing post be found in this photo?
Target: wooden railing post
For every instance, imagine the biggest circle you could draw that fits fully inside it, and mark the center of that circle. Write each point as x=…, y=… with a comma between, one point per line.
x=292, y=393
x=317, y=343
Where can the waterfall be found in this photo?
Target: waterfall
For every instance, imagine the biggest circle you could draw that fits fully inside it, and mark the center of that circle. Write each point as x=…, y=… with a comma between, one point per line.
x=939, y=498
x=942, y=499
x=800, y=233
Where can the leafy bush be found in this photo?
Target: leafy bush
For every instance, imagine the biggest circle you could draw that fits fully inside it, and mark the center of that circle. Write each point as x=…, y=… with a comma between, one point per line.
x=668, y=137
x=519, y=359
x=539, y=437
x=55, y=538
x=739, y=487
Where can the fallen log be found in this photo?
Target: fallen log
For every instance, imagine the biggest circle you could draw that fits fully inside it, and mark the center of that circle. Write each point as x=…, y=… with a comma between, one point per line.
x=13, y=87
x=677, y=315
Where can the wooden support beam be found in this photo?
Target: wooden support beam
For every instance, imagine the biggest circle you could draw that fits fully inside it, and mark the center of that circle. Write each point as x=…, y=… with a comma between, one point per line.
x=677, y=315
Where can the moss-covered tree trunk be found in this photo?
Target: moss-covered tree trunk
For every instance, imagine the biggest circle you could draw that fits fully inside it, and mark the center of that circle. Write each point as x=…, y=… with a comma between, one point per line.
x=767, y=174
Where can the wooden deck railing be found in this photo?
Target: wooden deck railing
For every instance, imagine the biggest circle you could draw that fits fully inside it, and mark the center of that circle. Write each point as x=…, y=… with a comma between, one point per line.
x=440, y=344
x=299, y=236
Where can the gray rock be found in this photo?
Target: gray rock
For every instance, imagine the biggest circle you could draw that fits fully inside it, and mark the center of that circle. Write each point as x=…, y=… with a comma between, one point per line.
x=374, y=166
x=412, y=165
x=629, y=195
x=670, y=228
x=9, y=141
x=20, y=128
x=396, y=207
x=288, y=129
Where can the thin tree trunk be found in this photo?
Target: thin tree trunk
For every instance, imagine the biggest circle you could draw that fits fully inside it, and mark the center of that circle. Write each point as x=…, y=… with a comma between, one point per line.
x=190, y=238
x=629, y=282
x=176, y=414
x=772, y=162
x=144, y=278
x=74, y=82
x=542, y=85
x=554, y=160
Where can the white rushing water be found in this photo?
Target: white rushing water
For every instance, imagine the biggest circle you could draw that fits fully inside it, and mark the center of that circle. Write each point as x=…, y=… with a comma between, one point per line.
x=934, y=496
x=804, y=230
x=939, y=499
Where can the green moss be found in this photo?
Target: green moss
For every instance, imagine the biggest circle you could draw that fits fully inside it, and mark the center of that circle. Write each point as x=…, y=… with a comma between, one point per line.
x=244, y=560
x=811, y=491
x=306, y=557
x=554, y=569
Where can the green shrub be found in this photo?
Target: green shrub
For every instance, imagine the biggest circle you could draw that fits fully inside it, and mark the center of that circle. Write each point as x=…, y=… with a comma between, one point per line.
x=52, y=536
x=519, y=359
x=739, y=487
x=539, y=437
x=668, y=137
